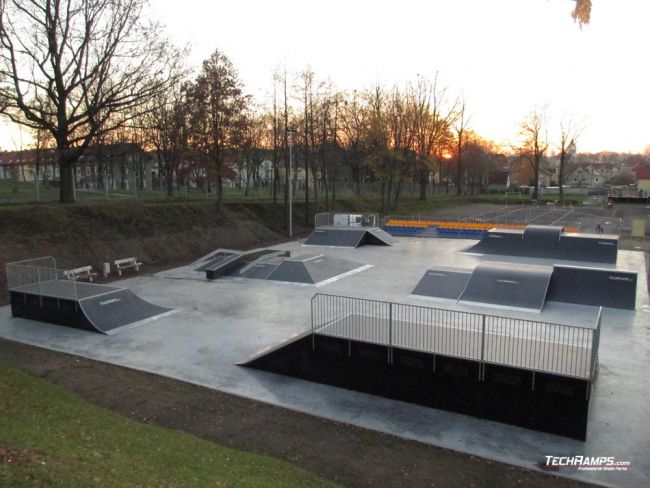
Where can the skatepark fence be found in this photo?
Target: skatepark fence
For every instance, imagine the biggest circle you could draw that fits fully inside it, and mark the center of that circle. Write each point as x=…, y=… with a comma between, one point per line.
x=338, y=219
x=558, y=349
x=36, y=272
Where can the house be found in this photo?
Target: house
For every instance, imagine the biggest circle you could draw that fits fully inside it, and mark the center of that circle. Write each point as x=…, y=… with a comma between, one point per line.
x=498, y=181
x=586, y=175
x=642, y=173
x=111, y=166
x=24, y=165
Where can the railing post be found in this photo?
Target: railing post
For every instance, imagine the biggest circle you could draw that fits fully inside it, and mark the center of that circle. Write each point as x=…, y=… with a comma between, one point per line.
x=40, y=292
x=390, y=332
x=313, y=337
x=482, y=364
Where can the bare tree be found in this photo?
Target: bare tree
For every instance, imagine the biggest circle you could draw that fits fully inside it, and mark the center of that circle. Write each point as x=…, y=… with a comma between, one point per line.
x=307, y=78
x=166, y=131
x=569, y=134
x=252, y=150
x=70, y=66
x=352, y=125
x=432, y=119
x=460, y=127
x=325, y=138
x=276, y=140
x=479, y=160
x=534, y=143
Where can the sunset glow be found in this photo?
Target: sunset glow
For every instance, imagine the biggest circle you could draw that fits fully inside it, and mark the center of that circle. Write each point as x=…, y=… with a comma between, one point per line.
x=504, y=57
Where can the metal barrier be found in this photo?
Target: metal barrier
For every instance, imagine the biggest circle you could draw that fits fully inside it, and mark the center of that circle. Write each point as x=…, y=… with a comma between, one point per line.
x=490, y=339
x=338, y=219
x=31, y=275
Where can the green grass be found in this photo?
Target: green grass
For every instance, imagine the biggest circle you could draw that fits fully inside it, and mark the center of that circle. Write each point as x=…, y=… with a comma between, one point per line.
x=50, y=437
x=25, y=193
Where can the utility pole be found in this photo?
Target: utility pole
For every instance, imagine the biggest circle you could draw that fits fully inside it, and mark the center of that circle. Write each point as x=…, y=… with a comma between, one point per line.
x=291, y=132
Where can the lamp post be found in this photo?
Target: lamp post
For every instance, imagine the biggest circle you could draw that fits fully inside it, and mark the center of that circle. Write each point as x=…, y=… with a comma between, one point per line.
x=290, y=132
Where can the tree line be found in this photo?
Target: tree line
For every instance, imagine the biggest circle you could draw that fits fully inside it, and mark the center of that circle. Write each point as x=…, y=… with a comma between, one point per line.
x=82, y=73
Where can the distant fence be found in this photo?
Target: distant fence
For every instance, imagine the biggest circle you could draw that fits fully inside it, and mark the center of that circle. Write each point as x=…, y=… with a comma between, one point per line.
x=489, y=339
x=346, y=219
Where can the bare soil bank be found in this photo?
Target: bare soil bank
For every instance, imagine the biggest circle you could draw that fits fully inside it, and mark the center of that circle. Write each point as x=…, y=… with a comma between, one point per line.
x=158, y=235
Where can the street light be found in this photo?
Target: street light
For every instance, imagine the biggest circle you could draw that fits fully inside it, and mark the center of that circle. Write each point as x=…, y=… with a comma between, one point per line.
x=290, y=133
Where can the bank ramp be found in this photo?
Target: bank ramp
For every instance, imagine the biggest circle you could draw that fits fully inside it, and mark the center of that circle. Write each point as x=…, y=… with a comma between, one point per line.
x=529, y=287
x=548, y=242
x=87, y=306
x=333, y=236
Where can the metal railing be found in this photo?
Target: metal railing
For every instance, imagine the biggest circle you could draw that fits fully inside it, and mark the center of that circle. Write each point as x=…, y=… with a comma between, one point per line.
x=37, y=275
x=490, y=339
x=340, y=219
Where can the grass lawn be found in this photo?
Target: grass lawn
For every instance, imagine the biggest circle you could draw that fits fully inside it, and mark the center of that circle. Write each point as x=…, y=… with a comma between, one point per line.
x=25, y=193
x=50, y=437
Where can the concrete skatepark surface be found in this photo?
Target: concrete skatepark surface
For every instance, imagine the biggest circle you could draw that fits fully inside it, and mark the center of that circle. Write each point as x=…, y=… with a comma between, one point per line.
x=225, y=321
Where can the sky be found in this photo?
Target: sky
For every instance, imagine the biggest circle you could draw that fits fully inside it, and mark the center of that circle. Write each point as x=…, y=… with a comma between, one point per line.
x=505, y=57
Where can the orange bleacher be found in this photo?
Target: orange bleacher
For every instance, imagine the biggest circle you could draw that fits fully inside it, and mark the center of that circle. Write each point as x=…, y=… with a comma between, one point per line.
x=442, y=224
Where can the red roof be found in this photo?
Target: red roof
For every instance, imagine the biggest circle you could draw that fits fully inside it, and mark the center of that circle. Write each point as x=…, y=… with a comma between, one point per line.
x=642, y=172
x=15, y=158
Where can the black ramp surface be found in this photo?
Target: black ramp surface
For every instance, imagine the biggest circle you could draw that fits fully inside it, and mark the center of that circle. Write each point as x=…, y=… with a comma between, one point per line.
x=66, y=289
x=521, y=287
x=543, y=233
x=500, y=241
x=593, y=286
x=117, y=309
x=313, y=269
x=549, y=242
x=541, y=240
x=291, y=271
x=323, y=268
x=236, y=263
x=261, y=271
x=447, y=283
x=333, y=236
x=381, y=235
x=589, y=247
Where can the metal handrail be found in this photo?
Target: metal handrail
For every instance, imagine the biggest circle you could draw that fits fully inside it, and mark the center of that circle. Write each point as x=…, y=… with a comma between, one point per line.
x=20, y=274
x=529, y=344
x=261, y=259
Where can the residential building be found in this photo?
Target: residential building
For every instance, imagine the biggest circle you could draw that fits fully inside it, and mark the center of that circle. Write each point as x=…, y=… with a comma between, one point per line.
x=111, y=166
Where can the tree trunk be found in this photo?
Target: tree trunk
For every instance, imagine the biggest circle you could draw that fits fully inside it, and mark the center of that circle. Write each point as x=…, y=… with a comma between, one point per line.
x=66, y=179
x=276, y=179
x=306, y=189
x=536, y=180
x=424, y=181
x=398, y=191
x=169, y=177
x=220, y=192
x=314, y=175
x=325, y=186
x=459, y=166
x=356, y=178
x=561, y=177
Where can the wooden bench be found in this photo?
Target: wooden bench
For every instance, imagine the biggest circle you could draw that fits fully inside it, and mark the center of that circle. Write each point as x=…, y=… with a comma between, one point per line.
x=126, y=263
x=85, y=272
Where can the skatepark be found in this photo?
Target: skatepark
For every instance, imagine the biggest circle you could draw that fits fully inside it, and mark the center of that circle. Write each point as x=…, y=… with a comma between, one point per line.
x=231, y=318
